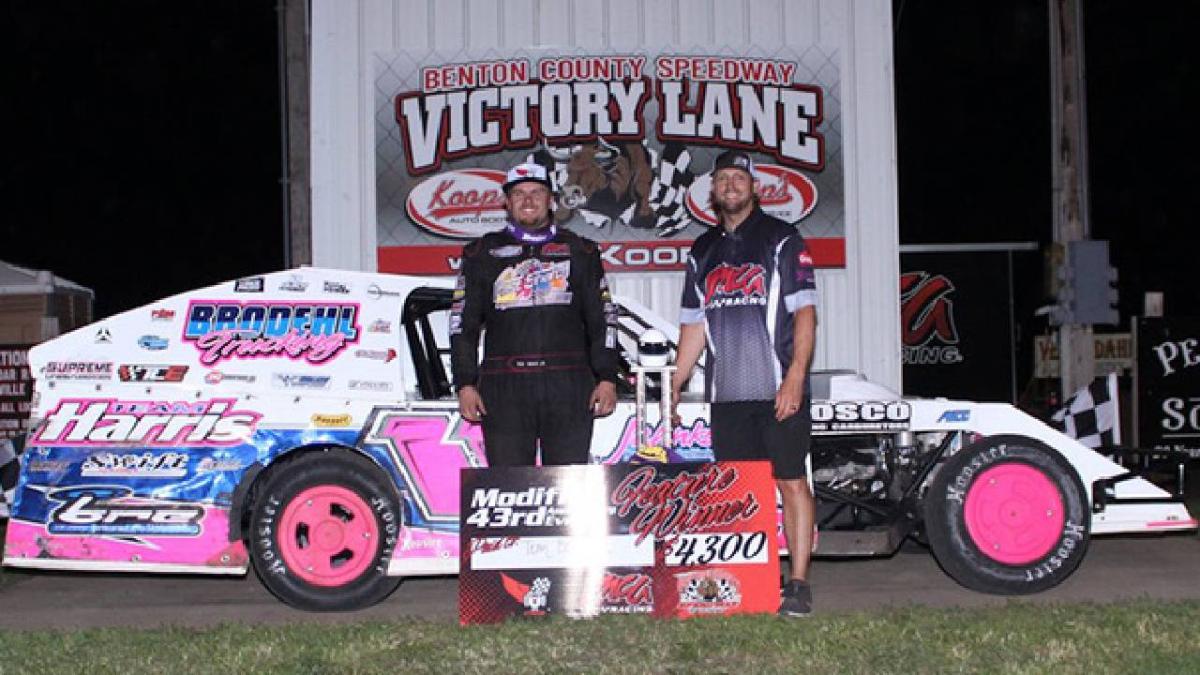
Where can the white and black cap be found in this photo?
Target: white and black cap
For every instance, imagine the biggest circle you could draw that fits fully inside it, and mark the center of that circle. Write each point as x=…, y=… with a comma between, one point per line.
x=528, y=171
x=734, y=159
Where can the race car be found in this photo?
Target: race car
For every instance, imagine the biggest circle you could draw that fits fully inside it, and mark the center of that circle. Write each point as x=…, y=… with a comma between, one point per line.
x=301, y=422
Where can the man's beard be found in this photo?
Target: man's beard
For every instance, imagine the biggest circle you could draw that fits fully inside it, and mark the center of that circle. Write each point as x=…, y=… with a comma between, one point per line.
x=723, y=207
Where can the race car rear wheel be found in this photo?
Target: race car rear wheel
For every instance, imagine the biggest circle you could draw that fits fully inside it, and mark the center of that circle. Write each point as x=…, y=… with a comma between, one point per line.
x=323, y=530
x=1007, y=515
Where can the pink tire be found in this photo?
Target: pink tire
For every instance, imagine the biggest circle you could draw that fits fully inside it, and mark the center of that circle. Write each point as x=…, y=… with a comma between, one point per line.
x=323, y=531
x=1007, y=515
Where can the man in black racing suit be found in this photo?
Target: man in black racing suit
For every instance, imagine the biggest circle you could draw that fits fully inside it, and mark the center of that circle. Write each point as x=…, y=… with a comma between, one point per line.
x=549, y=359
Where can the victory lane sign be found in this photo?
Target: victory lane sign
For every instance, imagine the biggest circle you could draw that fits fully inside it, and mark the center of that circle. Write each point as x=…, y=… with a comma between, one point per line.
x=672, y=540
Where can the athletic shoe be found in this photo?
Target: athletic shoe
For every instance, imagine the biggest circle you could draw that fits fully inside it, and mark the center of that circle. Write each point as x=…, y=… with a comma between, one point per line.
x=797, y=599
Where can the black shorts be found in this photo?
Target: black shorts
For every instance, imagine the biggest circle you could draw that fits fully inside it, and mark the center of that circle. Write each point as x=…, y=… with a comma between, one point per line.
x=749, y=430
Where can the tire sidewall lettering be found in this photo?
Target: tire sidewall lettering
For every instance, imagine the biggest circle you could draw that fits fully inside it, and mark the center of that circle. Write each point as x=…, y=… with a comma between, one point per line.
x=335, y=468
x=965, y=561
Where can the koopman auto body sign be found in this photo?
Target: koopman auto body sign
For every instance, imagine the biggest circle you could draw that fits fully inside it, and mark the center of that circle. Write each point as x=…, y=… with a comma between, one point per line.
x=628, y=138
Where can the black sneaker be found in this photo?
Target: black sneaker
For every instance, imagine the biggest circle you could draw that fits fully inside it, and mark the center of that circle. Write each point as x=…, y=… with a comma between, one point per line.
x=797, y=599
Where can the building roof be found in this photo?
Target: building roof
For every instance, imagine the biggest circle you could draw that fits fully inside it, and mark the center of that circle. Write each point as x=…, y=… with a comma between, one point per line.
x=20, y=280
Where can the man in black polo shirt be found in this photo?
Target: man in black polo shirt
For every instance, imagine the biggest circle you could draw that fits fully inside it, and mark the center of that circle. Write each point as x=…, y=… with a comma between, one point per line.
x=549, y=358
x=750, y=297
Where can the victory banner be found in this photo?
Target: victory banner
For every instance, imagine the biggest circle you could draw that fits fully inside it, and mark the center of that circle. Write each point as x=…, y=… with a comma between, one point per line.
x=672, y=540
x=629, y=140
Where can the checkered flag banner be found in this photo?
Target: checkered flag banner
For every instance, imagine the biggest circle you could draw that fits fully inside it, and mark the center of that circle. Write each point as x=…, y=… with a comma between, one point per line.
x=668, y=191
x=1091, y=416
x=8, y=474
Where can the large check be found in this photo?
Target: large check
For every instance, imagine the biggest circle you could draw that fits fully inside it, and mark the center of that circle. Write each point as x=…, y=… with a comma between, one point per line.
x=673, y=540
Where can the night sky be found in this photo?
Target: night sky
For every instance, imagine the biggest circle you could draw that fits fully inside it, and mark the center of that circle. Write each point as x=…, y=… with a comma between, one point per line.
x=143, y=138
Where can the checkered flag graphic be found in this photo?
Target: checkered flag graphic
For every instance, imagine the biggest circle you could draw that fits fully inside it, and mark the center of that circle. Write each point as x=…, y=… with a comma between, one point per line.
x=8, y=474
x=1091, y=416
x=668, y=192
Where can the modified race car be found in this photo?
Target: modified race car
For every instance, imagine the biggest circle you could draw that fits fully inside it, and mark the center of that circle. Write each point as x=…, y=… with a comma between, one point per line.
x=302, y=422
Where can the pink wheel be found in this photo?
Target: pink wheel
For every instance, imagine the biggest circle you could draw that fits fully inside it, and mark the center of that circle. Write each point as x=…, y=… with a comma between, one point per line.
x=1014, y=513
x=328, y=535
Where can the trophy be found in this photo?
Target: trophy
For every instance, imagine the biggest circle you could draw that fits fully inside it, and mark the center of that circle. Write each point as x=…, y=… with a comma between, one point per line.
x=654, y=356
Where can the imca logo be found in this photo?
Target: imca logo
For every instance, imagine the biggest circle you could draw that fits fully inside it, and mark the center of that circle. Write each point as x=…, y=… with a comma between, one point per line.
x=927, y=319
x=732, y=285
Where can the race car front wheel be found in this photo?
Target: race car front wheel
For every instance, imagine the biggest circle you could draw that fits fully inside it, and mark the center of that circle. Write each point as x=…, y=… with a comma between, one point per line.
x=323, y=530
x=1007, y=515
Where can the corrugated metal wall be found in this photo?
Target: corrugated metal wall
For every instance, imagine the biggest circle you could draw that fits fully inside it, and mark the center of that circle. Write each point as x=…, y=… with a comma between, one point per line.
x=859, y=311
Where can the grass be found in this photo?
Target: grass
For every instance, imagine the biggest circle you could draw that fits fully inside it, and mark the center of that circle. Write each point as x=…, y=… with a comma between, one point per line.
x=1140, y=636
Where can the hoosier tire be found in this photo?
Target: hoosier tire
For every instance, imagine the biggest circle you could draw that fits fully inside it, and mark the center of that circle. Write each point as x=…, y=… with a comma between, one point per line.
x=323, y=531
x=1007, y=515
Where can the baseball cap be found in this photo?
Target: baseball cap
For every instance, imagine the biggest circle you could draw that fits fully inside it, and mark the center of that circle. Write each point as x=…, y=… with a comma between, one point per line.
x=734, y=159
x=528, y=171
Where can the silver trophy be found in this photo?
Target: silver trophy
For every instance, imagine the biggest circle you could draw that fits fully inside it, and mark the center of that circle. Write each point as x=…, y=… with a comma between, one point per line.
x=654, y=356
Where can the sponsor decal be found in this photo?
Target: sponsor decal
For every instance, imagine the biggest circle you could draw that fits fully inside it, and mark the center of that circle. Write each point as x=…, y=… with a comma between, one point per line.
x=510, y=251
x=249, y=285
x=299, y=381
x=336, y=287
x=218, y=376
x=331, y=420
x=314, y=332
x=153, y=343
x=861, y=415
x=533, y=596
x=295, y=284
x=135, y=465
x=150, y=423
x=215, y=464
x=533, y=282
x=78, y=370
x=151, y=373
x=385, y=355
x=46, y=465
x=691, y=443
x=783, y=192
x=162, y=315
x=380, y=326
x=556, y=250
x=955, y=416
x=461, y=204
x=735, y=285
x=927, y=327
x=376, y=292
x=713, y=591
x=369, y=385
x=627, y=594
x=113, y=511
x=103, y=336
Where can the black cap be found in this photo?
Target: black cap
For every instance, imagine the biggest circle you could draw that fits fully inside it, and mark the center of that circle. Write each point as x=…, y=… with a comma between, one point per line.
x=734, y=159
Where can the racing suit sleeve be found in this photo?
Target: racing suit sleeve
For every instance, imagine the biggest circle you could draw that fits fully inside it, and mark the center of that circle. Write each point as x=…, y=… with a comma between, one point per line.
x=471, y=296
x=600, y=319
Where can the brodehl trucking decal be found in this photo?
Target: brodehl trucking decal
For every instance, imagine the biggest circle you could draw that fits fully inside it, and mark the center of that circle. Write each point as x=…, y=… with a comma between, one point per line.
x=314, y=332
